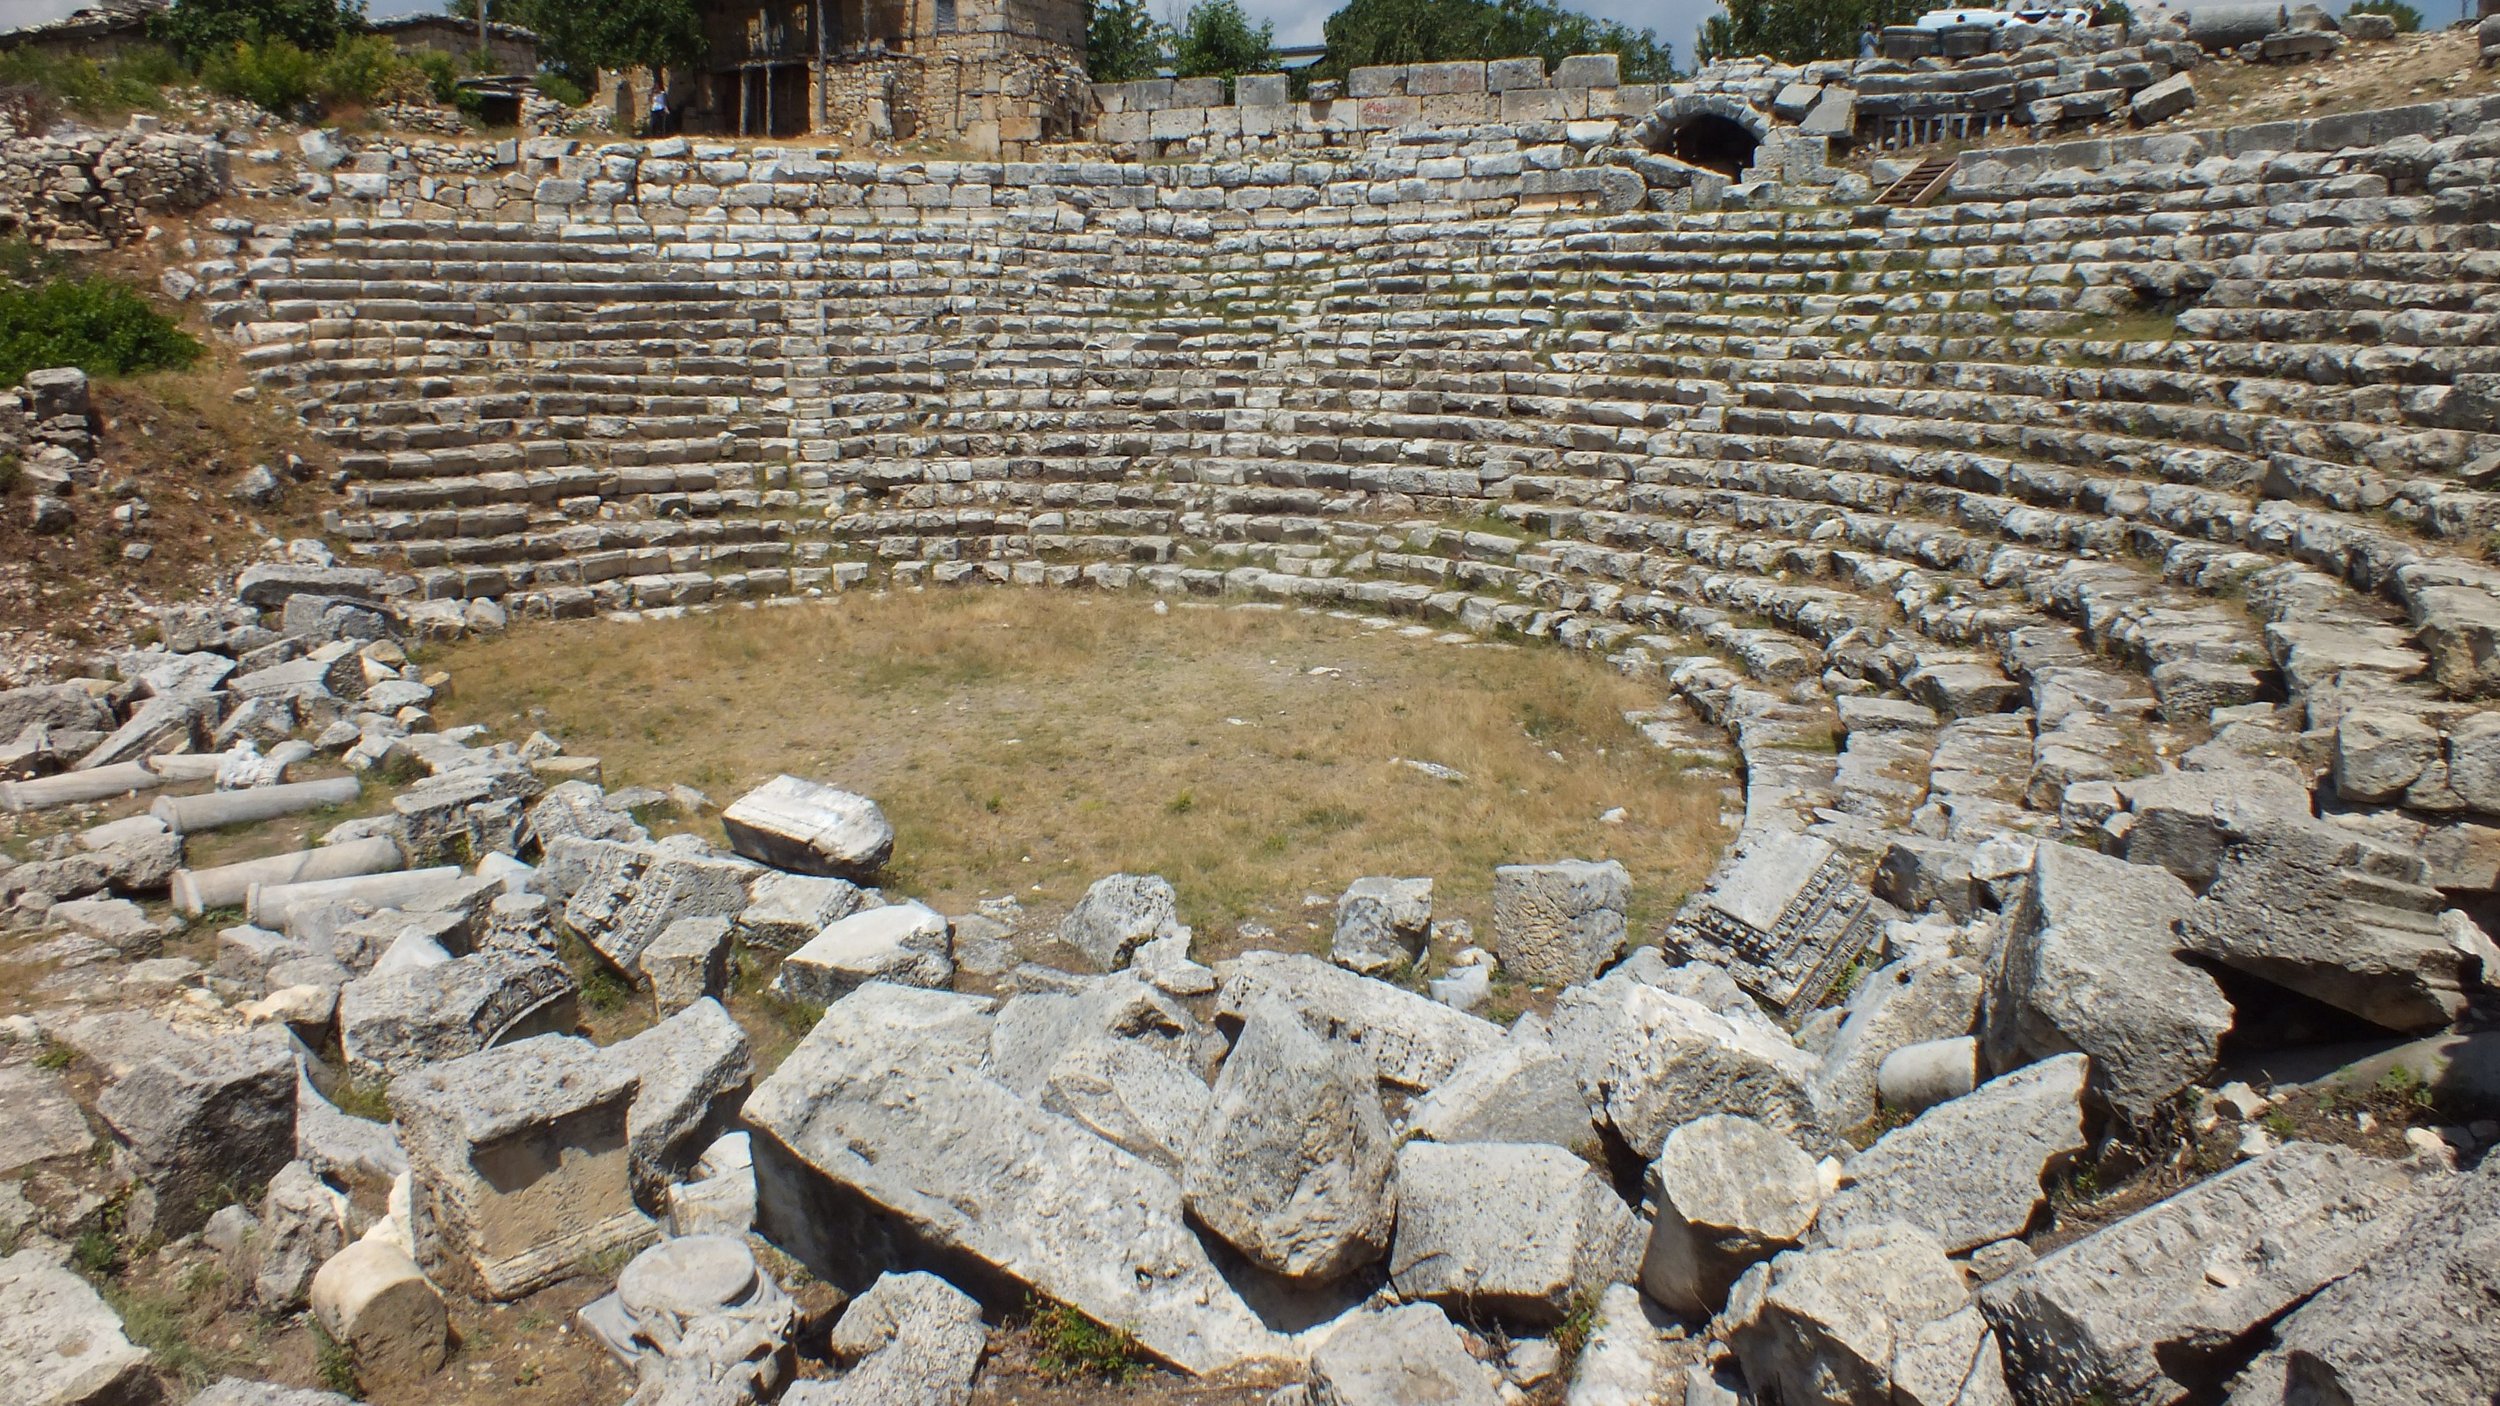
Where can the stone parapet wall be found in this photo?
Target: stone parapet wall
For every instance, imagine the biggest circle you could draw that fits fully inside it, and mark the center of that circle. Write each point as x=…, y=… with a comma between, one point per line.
x=2428, y=121
x=684, y=182
x=1164, y=117
x=102, y=187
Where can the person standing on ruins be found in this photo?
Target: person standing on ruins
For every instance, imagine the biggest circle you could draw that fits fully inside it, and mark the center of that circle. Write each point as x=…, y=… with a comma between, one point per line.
x=660, y=114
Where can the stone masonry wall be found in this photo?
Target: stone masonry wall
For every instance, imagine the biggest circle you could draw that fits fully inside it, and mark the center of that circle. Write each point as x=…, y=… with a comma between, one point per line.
x=1164, y=117
x=100, y=187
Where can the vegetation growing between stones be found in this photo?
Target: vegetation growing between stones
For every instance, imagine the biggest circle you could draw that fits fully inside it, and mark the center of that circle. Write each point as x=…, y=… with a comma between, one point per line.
x=1070, y=1347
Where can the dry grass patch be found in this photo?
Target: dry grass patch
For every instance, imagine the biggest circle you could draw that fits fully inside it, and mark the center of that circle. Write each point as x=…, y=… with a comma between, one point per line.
x=1026, y=743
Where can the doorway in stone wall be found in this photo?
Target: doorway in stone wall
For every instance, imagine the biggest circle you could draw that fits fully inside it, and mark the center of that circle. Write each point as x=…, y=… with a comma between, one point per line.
x=1719, y=143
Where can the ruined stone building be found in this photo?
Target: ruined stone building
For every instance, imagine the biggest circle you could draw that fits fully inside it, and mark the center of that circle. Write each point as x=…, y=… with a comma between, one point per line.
x=986, y=75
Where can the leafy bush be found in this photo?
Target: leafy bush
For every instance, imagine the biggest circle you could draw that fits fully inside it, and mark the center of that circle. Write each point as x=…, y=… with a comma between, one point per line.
x=2407, y=18
x=563, y=89
x=369, y=68
x=133, y=80
x=97, y=324
x=273, y=74
x=1123, y=43
x=1216, y=39
x=1797, y=31
x=1368, y=32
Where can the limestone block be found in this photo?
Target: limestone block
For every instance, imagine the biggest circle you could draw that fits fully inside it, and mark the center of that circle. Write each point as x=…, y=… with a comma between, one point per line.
x=1915, y=1078
x=1133, y=1094
x=403, y=1016
x=1651, y=1061
x=2091, y=964
x=1413, y=1041
x=688, y=961
x=1514, y=1231
x=1729, y=1194
x=1556, y=924
x=785, y=911
x=59, y=1344
x=883, y=1111
x=1785, y=919
x=1397, y=1357
x=1383, y=81
x=1502, y=75
x=1880, y=1315
x=235, y=1391
x=196, y=1112
x=907, y=943
x=520, y=1162
x=2163, y=100
x=303, y=1223
x=1292, y=1166
x=1116, y=914
x=1969, y=1171
x=1382, y=924
x=1262, y=90
x=372, y=1300
x=2149, y=1308
x=807, y=827
x=1425, y=80
x=1519, y=1091
x=694, y=1070
x=1587, y=71
x=1628, y=1360
x=910, y=1338
x=38, y=1119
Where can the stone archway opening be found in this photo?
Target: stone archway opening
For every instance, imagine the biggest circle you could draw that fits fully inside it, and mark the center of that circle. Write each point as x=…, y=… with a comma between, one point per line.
x=1719, y=143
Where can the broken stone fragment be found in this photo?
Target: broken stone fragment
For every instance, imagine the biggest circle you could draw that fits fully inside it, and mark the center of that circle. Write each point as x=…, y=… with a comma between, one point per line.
x=2091, y=964
x=373, y=1300
x=2161, y=1304
x=1413, y=1041
x=1293, y=1164
x=905, y=943
x=1972, y=1170
x=520, y=1162
x=1117, y=914
x=1518, y=1091
x=1382, y=923
x=1879, y=1315
x=694, y=1070
x=60, y=1345
x=1398, y=1357
x=1729, y=1194
x=1556, y=924
x=1650, y=1061
x=807, y=827
x=1517, y=1232
x=912, y=1338
x=698, y=1301
x=197, y=1112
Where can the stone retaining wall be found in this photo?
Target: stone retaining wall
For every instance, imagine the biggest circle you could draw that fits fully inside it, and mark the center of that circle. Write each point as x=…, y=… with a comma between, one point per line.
x=2428, y=121
x=100, y=187
x=1165, y=117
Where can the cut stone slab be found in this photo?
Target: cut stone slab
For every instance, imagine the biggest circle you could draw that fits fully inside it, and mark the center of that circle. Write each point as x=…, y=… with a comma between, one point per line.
x=807, y=827
x=2184, y=820
x=1556, y=924
x=2091, y=964
x=1650, y=1061
x=407, y=1016
x=1518, y=1091
x=1626, y=1362
x=880, y=1131
x=1408, y=1356
x=372, y=1300
x=38, y=1119
x=2154, y=1307
x=694, y=1068
x=1382, y=924
x=60, y=1345
x=520, y=1163
x=785, y=911
x=2321, y=909
x=1133, y=1094
x=1117, y=914
x=1880, y=1315
x=196, y=1112
x=911, y=1340
x=1903, y=1003
x=1969, y=1171
x=1785, y=919
x=1414, y=1042
x=1292, y=1166
x=906, y=943
x=688, y=961
x=1517, y=1232
x=2417, y=1323
x=1729, y=1193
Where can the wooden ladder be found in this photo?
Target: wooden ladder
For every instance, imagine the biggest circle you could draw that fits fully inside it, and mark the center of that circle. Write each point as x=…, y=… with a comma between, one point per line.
x=1925, y=182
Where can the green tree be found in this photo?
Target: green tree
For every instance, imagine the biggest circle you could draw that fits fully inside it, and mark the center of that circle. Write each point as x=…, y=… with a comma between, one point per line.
x=1368, y=32
x=1796, y=31
x=2407, y=18
x=198, y=28
x=1216, y=39
x=577, y=38
x=1122, y=41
